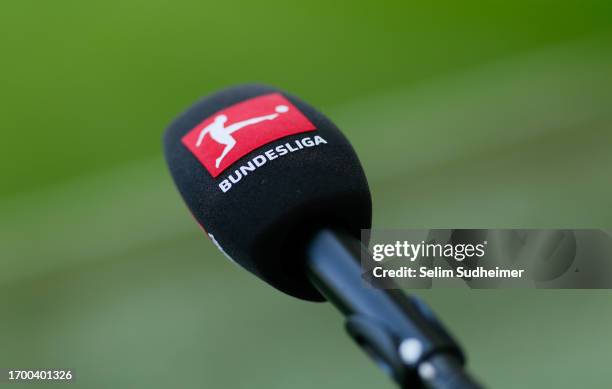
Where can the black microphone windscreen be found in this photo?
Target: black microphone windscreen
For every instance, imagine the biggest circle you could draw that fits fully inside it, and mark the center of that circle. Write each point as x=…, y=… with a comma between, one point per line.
x=261, y=171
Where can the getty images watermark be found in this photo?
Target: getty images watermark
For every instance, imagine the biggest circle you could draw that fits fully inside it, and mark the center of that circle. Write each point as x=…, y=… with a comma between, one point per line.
x=496, y=258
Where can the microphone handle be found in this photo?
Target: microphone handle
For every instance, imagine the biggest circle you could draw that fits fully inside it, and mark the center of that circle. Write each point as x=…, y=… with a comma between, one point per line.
x=399, y=332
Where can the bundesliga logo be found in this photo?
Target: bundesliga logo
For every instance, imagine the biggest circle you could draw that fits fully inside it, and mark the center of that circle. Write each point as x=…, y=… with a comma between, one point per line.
x=261, y=159
x=230, y=134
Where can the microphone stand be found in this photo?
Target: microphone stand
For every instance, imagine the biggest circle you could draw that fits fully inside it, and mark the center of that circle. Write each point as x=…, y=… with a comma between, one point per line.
x=399, y=332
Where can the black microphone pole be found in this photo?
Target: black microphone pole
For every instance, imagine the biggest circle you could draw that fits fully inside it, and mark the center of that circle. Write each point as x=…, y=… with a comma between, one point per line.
x=399, y=332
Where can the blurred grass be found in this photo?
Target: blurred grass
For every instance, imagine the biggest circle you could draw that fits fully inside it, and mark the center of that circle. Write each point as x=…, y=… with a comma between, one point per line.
x=464, y=115
x=88, y=85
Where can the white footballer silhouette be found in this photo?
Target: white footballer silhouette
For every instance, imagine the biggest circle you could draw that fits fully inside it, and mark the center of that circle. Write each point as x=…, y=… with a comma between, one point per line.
x=223, y=135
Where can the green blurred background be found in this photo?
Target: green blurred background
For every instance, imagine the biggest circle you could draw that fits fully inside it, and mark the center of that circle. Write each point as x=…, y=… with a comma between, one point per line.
x=465, y=114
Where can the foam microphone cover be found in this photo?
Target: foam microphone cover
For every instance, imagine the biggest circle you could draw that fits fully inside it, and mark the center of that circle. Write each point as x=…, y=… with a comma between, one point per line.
x=261, y=171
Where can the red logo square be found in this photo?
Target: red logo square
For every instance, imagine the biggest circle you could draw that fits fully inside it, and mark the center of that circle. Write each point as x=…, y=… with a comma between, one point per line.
x=228, y=135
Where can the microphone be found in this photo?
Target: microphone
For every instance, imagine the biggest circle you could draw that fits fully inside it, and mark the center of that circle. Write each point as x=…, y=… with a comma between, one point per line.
x=280, y=191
